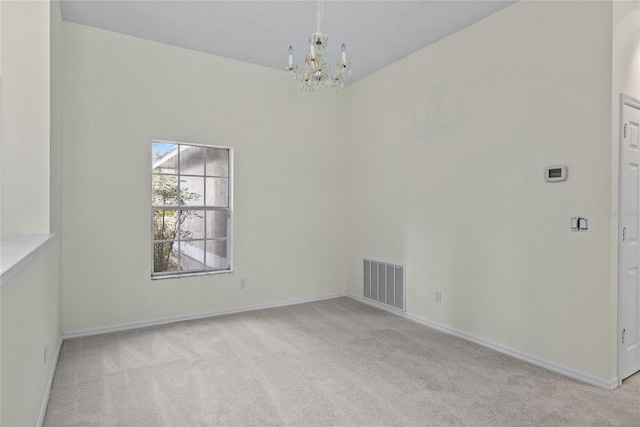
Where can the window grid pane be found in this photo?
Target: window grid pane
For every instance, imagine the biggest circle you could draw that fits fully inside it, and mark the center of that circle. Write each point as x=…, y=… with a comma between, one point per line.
x=165, y=190
x=217, y=162
x=191, y=160
x=164, y=157
x=165, y=258
x=192, y=191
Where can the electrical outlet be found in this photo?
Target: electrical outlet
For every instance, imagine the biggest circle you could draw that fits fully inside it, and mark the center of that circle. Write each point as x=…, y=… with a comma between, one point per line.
x=45, y=353
x=243, y=283
x=438, y=296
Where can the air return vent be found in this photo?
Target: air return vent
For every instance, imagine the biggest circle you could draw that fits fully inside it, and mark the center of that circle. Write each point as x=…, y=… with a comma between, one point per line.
x=384, y=283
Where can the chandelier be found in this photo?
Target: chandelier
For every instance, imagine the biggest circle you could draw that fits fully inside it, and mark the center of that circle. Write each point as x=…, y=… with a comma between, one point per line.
x=317, y=74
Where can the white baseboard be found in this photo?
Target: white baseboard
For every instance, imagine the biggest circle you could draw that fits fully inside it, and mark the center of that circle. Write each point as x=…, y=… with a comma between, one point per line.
x=166, y=320
x=554, y=367
x=45, y=400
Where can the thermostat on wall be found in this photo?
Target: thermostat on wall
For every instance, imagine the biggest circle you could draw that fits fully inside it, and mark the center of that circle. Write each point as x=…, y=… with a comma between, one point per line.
x=555, y=173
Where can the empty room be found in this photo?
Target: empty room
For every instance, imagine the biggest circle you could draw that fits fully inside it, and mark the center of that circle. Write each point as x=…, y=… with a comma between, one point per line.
x=322, y=213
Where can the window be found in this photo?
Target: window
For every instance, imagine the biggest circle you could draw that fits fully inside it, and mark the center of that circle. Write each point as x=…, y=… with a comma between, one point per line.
x=190, y=208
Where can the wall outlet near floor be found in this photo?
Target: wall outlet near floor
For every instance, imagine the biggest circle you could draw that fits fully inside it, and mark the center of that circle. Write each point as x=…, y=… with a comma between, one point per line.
x=45, y=353
x=243, y=283
x=438, y=295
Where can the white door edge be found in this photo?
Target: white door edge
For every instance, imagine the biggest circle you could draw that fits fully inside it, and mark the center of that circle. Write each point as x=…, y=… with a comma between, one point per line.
x=625, y=100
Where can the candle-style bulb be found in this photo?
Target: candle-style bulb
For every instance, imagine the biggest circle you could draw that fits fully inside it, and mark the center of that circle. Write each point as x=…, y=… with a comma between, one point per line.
x=344, y=52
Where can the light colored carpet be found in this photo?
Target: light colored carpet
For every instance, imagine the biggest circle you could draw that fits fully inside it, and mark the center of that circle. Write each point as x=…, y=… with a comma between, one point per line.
x=335, y=362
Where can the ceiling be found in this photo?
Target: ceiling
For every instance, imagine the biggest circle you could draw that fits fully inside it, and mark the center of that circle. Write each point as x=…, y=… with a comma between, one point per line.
x=376, y=33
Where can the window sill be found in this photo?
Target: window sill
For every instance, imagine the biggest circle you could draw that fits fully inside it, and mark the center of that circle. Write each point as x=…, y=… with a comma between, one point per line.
x=180, y=276
x=17, y=252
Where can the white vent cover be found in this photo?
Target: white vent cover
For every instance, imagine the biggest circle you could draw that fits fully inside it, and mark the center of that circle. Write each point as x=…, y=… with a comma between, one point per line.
x=384, y=283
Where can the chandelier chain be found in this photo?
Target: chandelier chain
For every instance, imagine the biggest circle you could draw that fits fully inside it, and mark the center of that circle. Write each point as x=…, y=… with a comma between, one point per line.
x=320, y=7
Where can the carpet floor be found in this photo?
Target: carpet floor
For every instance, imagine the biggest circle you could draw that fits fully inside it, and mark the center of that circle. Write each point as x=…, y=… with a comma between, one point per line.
x=330, y=363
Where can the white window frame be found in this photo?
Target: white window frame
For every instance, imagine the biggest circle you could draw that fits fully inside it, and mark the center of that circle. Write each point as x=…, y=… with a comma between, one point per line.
x=229, y=210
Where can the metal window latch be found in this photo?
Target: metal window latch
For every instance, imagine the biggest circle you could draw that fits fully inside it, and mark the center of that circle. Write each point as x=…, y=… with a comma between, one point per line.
x=625, y=130
x=624, y=233
x=623, y=331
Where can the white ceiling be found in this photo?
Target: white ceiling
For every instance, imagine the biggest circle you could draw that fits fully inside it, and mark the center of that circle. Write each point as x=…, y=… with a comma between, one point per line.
x=376, y=33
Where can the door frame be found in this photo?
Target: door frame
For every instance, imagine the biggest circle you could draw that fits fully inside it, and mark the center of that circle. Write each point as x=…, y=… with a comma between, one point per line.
x=625, y=100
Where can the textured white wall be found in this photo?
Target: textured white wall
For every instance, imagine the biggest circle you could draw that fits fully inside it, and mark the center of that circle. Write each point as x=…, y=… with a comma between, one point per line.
x=24, y=172
x=120, y=93
x=449, y=149
x=626, y=79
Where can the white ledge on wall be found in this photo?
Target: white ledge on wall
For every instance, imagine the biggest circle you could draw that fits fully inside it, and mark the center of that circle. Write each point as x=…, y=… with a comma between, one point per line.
x=16, y=252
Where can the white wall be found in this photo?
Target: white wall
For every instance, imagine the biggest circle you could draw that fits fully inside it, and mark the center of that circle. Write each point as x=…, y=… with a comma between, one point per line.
x=55, y=207
x=30, y=301
x=625, y=79
x=120, y=93
x=24, y=175
x=30, y=319
x=449, y=149
x=626, y=49
x=0, y=208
